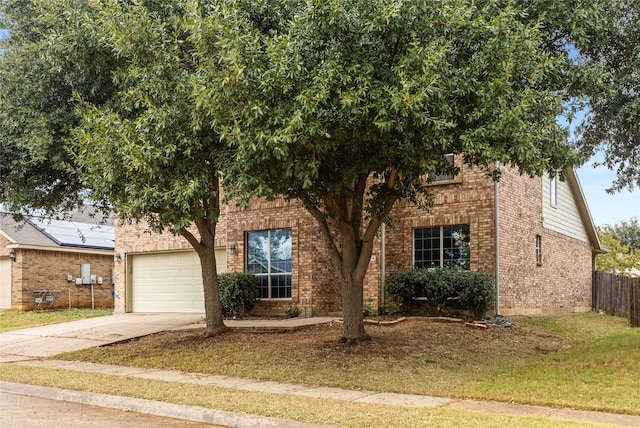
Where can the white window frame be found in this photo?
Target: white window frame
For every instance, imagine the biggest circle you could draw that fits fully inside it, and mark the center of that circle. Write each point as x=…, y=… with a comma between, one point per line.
x=553, y=190
x=441, y=243
x=269, y=274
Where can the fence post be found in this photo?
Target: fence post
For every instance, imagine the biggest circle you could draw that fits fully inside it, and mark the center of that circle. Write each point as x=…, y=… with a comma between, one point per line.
x=634, y=302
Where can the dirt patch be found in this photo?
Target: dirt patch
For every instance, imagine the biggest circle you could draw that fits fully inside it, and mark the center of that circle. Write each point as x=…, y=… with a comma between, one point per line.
x=412, y=341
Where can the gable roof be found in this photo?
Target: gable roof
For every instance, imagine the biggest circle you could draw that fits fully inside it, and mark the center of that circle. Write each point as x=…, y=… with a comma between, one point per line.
x=81, y=231
x=583, y=209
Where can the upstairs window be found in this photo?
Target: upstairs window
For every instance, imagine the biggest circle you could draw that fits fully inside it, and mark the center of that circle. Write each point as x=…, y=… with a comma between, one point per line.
x=553, y=189
x=269, y=259
x=447, y=176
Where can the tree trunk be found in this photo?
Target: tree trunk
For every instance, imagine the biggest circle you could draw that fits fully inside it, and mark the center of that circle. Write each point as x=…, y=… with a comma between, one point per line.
x=353, y=317
x=206, y=252
x=212, y=306
x=351, y=256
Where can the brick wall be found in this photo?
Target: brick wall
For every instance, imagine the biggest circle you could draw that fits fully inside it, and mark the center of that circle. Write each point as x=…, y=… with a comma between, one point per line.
x=40, y=269
x=562, y=282
x=315, y=287
x=468, y=200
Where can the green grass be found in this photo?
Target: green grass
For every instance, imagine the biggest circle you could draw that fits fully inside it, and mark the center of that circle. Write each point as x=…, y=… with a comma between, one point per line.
x=583, y=361
x=600, y=371
x=303, y=409
x=16, y=320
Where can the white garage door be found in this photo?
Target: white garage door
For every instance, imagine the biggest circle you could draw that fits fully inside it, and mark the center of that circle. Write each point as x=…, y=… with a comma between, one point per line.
x=5, y=283
x=169, y=282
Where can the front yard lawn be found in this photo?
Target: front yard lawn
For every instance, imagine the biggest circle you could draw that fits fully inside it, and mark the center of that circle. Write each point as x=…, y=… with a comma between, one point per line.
x=583, y=361
x=16, y=320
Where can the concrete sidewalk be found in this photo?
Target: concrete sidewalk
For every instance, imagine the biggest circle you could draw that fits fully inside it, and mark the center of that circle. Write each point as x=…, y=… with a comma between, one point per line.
x=358, y=396
x=28, y=347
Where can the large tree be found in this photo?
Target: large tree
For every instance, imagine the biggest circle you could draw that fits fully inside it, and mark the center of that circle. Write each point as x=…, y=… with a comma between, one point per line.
x=42, y=72
x=150, y=151
x=347, y=106
x=97, y=102
x=612, y=123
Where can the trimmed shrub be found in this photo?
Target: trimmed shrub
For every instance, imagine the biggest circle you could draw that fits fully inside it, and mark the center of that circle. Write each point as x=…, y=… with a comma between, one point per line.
x=468, y=290
x=238, y=293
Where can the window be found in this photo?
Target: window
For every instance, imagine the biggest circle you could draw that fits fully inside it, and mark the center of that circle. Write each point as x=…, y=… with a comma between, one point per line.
x=447, y=175
x=269, y=258
x=442, y=246
x=554, y=190
x=538, y=249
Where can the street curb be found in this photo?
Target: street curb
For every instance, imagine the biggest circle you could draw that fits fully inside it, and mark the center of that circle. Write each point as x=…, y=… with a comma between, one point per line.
x=156, y=408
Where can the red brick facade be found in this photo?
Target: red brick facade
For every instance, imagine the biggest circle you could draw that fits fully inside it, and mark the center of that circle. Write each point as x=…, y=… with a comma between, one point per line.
x=560, y=283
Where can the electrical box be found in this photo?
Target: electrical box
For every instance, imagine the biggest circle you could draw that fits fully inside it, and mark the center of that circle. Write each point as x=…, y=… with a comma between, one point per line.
x=85, y=273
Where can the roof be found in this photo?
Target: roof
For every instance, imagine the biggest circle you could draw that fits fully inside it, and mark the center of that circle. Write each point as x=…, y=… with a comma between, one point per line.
x=82, y=231
x=583, y=209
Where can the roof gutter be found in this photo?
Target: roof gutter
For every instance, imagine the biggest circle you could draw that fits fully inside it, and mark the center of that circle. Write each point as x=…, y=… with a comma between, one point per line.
x=84, y=250
x=496, y=226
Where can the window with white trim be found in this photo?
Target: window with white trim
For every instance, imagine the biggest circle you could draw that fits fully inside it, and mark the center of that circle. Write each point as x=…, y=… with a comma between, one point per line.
x=269, y=259
x=538, y=249
x=442, y=246
x=553, y=190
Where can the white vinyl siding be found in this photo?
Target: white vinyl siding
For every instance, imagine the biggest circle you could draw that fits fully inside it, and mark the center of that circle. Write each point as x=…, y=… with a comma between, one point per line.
x=564, y=217
x=168, y=282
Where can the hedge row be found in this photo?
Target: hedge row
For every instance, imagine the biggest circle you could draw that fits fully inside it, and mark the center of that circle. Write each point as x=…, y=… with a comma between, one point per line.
x=473, y=291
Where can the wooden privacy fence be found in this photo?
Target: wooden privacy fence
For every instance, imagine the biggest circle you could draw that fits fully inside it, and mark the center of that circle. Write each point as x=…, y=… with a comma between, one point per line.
x=617, y=295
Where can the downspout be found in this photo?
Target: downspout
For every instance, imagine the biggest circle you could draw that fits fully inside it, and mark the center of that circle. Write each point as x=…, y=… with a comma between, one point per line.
x=383, y=261
x=496, y=212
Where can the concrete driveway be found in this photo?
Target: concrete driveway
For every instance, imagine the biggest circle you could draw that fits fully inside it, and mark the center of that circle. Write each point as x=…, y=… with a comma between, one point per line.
x=50, y=340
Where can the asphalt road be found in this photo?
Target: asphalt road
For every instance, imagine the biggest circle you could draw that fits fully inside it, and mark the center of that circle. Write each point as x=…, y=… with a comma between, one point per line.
x=20, y=411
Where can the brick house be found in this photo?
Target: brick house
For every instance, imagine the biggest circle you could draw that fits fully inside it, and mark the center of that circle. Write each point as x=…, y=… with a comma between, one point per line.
x=537, y=233
x=56, y=264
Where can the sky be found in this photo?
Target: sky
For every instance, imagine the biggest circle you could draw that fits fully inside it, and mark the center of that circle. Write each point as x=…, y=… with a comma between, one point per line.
x=606, y=209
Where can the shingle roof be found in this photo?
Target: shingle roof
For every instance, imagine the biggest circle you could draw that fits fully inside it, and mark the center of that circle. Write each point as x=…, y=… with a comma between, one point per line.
x=81, y=231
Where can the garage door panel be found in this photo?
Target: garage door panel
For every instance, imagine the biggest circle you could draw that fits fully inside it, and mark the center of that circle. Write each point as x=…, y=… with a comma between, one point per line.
x=169, y=282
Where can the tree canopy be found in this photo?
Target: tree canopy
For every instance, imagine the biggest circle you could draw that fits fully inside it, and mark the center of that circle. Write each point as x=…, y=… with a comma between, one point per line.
x=46, y=63
x=150, y=151
x=611, y=51
x=349, y=105
x=627, y=232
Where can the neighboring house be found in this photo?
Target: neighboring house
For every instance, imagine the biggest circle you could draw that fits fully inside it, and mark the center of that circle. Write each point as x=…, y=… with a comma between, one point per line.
x=537, y=233
x=49, y=263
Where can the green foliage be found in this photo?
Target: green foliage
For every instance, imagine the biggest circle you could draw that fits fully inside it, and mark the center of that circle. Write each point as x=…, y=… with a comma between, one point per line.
x=292, y=312
x=626, y=232
x=150, y=151
x=47, y=62
x=610, y=57
x=238, y=293
x=620, y=259
x=473, y=291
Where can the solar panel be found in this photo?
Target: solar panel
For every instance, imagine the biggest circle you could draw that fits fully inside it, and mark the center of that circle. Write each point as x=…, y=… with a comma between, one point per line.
x=75, y=234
